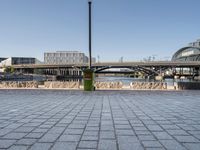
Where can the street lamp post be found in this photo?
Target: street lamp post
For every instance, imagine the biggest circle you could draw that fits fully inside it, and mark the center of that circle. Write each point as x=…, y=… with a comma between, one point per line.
x=90, y=33
x=88, y=74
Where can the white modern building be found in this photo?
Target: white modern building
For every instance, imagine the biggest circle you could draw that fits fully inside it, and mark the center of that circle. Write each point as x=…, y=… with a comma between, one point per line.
x=18, y=61
x=65, y=57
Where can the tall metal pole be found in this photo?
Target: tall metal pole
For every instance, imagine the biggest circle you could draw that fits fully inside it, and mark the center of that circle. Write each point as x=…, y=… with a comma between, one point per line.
x=90, y=33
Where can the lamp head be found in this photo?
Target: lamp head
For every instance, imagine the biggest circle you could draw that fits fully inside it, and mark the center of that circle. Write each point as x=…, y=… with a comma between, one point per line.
x=90, y=1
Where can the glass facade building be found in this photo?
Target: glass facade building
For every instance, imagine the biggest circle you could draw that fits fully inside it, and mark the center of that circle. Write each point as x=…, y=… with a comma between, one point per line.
x=18, y=61
x=188, y=53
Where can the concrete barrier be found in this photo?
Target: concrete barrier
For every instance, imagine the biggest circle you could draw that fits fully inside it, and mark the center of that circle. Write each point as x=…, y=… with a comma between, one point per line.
x=19, y=84
x=108, y=85
x=148, y=85
x=58, y=84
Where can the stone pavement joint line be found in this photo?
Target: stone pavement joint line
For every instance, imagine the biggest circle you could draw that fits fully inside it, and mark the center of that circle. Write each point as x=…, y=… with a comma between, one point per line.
x=99, y=120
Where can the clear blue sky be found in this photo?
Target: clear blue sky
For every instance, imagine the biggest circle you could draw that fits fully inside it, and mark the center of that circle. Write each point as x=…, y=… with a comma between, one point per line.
x=134, y=29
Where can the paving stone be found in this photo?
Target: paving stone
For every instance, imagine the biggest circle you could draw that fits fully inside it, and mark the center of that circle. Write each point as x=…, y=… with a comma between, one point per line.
x=49, y=138
x=69, y=138
x=64, y=146
x=4, y=131
x=14, y=135
x=172, y=145
x=177, y=132
x=73, y=131
x=87, y=144
x=18, y=147
x=124, y=132
x=34, y=135
x=162, y=136
x=151, y=144
x=14, y=125
x=154, y=128
x=24, y=129
x=6, y=143
x=127, y=139
x=26, y=141
x=192, y=146
x=107, y=135
x=90, y=133
x=146, y=138
x=89, y=138
x=107, y=145
x=41, y=146
x=187, y=139
x=56, y=130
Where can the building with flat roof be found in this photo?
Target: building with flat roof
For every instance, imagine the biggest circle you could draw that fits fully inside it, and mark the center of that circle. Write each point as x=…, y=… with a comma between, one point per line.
x=65, y=57
x=19, y=61
x=1, y=59
x=188, y=53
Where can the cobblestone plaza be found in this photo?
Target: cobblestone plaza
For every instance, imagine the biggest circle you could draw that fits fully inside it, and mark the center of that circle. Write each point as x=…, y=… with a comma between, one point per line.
x=103, y=120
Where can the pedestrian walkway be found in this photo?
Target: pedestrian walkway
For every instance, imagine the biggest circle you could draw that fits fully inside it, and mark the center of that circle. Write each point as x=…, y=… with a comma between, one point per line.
x=103, y=120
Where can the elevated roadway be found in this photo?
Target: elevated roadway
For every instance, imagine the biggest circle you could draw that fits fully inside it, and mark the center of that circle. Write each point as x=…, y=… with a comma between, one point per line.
x=112, y=65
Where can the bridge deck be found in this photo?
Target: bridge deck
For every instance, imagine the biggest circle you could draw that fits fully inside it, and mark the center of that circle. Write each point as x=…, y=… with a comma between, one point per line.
x=114, y=65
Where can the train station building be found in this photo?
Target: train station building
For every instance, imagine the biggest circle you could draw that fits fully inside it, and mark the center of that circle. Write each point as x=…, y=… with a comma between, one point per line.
x=188, y=53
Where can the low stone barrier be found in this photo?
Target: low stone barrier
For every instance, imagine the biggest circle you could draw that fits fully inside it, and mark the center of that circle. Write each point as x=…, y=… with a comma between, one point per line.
x=19, y=84
x=58, y=84
x=108, y=85
x=148, y=85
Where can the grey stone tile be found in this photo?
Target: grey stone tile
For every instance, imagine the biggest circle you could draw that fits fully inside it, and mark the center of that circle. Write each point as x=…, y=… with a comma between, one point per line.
x=49, y=138
x=14, y=135
x=18, y=147
x=76, y=126
x=26, y=141
x=146, y=137
x=90, y=133
x=127, y=139
x=88, y=144
x=4, y=131
x=6, y=143
x=56, y=130
x=34, y=135
x=69, y=138
x=130, y=146
x=162, y=136
x=192, y=146
x=177, y=132
x=107, y=145
x=187, y=139
x=40, y=130
x=89, y=138
x=14, y=125
x=41, y=146
x=73, y=131
x=151, y=144
x=24, y=129
x=125, y=132
x=107, y=135
x=64, y=146
x=172, y=145
x=154, y=128
x=107, y=128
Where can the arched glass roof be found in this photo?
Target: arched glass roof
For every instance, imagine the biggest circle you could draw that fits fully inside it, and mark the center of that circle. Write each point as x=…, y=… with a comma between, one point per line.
x=186, y=52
